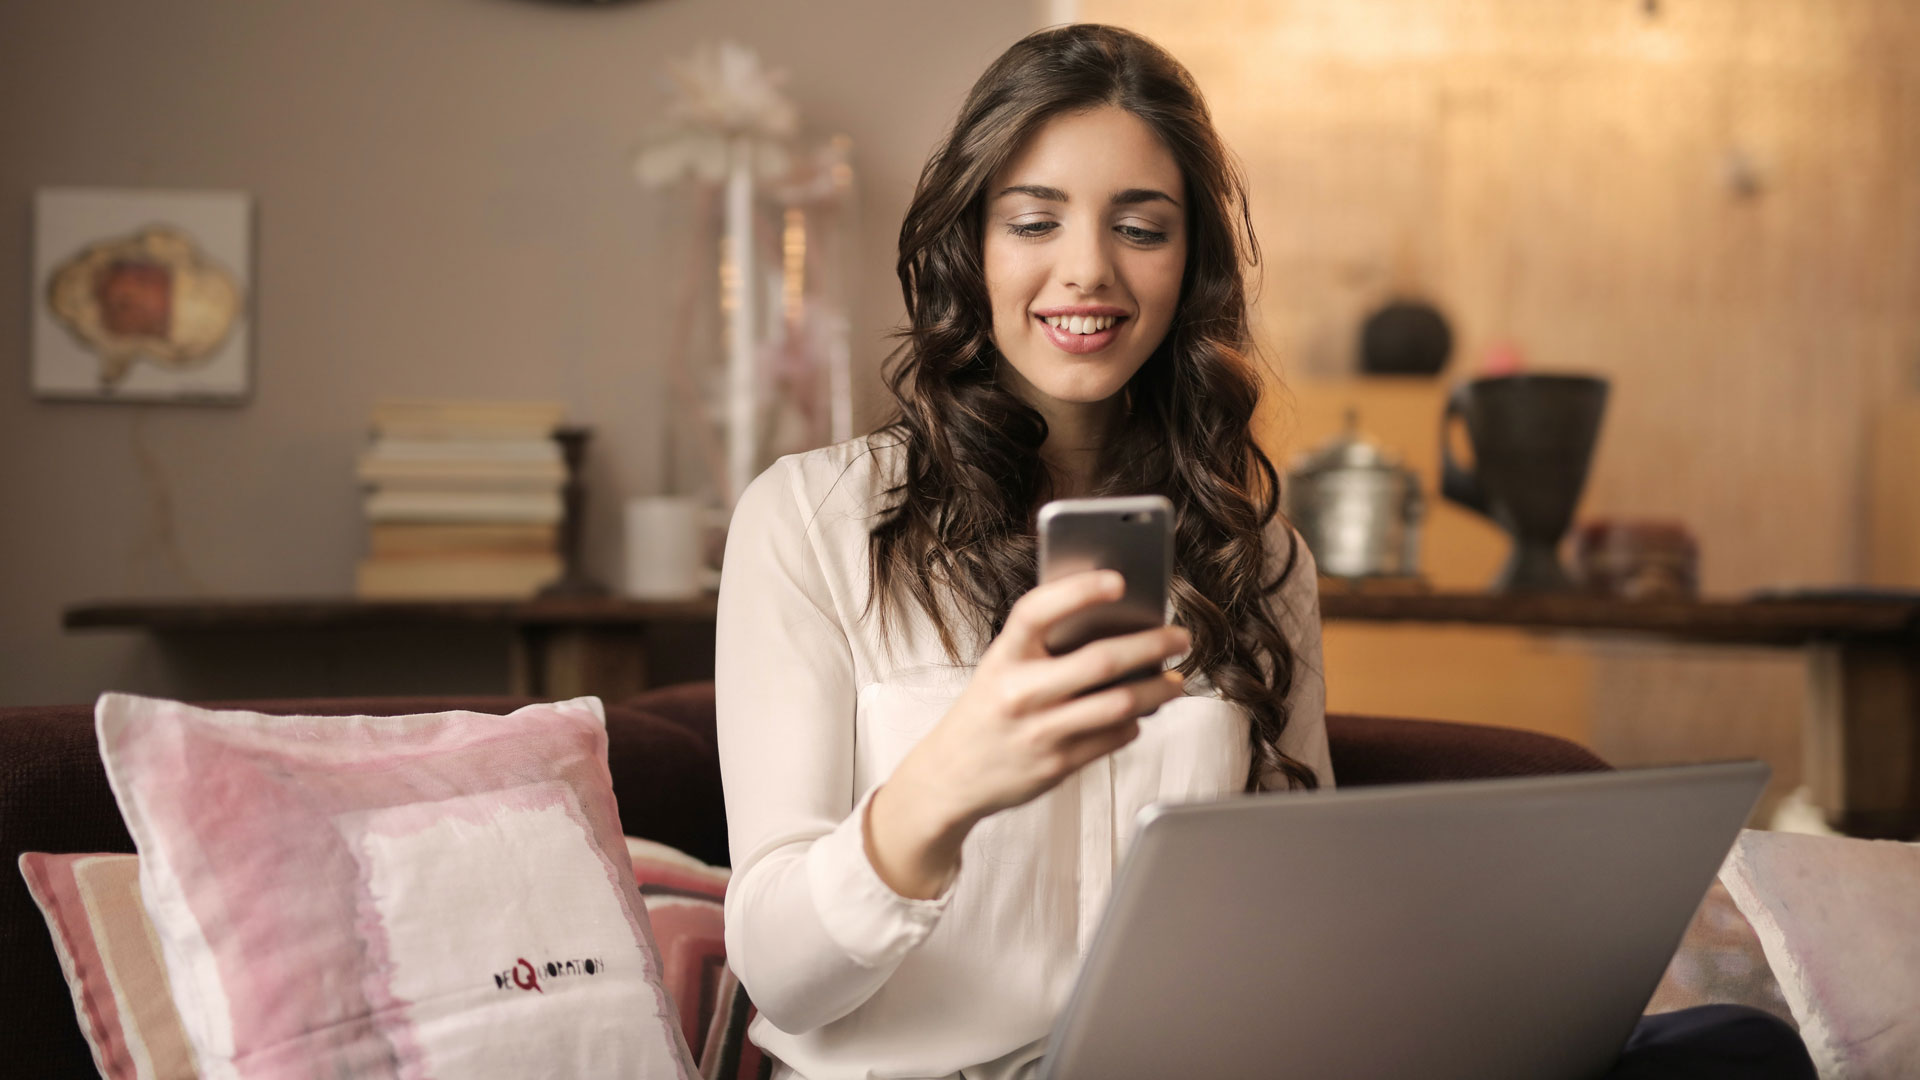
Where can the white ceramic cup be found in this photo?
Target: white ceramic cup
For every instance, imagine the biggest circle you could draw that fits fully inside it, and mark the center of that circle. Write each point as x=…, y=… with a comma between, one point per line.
x=663, y=547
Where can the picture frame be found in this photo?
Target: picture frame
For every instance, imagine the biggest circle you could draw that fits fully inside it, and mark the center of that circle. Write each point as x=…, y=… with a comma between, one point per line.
x=142, y=295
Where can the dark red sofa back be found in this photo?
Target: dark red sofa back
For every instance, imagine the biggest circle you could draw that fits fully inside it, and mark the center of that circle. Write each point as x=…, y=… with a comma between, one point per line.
x=666, y=775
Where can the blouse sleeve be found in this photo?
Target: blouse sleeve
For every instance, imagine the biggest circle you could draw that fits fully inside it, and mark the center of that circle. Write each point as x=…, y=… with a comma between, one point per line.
x=811, y=930
x=1296, y=607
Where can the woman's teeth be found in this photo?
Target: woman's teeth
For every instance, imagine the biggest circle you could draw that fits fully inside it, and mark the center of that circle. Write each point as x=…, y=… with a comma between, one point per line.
x=1081, y=324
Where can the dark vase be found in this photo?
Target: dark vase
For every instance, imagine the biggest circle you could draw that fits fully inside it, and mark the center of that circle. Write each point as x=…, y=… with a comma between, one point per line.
x=1532, y=438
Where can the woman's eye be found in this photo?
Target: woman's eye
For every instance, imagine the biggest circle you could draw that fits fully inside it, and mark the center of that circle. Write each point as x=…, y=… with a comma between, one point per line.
x=1133, y=233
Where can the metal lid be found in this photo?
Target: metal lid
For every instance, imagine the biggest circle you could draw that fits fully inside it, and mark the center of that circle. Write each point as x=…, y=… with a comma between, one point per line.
x=1348, y=450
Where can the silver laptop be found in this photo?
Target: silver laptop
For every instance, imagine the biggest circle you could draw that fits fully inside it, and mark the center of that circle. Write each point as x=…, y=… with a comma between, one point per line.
x=1488, y=929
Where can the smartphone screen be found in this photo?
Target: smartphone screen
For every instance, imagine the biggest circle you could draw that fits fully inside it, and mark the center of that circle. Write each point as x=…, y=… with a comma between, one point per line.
x=1132, y=534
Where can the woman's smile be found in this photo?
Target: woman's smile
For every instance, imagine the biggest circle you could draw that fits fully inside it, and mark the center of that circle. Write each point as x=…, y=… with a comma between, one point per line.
x=1081, y=329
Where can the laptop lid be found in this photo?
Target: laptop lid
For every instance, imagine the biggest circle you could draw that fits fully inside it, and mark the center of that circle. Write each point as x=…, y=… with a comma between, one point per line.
x=1498, y=928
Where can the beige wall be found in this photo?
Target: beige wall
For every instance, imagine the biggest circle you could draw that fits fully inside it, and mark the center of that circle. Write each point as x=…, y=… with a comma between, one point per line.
x=444, y=208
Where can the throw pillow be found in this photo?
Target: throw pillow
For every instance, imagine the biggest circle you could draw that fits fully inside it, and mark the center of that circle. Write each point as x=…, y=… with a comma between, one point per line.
x=685, y=899
x=443, y=894
x=1840, y=924
x=112, y=963
x=684, y=903
x=111, y=958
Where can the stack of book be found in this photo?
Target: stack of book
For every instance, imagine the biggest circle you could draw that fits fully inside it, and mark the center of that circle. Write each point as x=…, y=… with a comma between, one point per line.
x=463, y=500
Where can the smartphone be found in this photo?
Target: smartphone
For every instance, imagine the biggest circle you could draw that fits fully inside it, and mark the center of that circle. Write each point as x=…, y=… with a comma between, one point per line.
x=1132, y=534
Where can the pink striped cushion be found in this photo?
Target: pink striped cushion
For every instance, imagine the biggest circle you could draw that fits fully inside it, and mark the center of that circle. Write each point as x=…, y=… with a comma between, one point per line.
x=112, y=963
x=685, y=899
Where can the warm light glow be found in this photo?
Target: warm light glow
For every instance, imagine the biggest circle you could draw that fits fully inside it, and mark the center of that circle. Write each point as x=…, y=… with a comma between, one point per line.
x=793, y=284
x=729, y=291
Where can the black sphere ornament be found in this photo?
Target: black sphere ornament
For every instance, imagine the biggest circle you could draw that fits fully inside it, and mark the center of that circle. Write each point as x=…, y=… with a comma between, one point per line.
x=1406, y=337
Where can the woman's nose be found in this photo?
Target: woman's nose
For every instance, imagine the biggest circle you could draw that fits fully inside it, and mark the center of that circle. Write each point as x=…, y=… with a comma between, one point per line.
x=1085, y=262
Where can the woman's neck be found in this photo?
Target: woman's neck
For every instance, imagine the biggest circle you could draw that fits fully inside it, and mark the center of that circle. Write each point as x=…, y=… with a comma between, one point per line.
x=1076, y=433
x=1072, y=450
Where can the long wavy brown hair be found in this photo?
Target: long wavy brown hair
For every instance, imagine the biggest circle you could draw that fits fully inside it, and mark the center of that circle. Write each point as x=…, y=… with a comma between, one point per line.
x=957, y=537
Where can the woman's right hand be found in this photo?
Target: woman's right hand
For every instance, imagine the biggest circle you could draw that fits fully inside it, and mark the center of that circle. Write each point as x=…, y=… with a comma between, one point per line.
x=1024, y=723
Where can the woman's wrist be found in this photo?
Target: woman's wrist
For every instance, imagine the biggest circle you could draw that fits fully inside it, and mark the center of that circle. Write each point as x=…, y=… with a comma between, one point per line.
x=911, y=841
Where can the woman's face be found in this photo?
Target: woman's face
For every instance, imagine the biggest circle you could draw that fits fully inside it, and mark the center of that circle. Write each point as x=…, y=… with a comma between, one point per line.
x=1084, y=249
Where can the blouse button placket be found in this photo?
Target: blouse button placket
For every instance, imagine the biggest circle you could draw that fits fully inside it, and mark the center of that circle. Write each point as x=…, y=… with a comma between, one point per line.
x=1096, y=846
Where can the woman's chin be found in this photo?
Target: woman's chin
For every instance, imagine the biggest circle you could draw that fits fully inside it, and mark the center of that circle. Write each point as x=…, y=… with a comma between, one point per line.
x=1080, y=393
x=1087, y=381
x=1071, y=381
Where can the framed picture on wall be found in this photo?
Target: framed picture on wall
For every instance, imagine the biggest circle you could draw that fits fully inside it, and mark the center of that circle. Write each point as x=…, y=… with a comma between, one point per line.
x=141, y=295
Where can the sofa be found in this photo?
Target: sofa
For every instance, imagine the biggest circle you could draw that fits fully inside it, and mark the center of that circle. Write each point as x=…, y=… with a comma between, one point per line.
x=661, y=753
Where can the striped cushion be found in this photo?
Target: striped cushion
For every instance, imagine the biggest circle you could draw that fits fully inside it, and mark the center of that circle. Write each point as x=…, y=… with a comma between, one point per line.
x=111, y=959
x=684, y=900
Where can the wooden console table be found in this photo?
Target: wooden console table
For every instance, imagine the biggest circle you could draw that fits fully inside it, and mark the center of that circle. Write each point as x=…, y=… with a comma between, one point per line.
x=1862, y=740
x=1862, y=729
x=559, y=647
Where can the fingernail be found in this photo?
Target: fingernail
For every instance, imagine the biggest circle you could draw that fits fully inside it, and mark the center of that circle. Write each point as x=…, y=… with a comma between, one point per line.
x=1114, y=581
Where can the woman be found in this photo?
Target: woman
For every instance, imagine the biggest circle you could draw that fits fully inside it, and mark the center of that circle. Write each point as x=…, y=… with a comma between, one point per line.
x=926, y=809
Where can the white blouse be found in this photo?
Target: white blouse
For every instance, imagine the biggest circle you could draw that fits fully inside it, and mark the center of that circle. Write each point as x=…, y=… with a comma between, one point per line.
x=816, y=707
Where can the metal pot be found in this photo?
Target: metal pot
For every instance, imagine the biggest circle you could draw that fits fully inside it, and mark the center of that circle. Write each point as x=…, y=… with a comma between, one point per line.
x=1357, y=508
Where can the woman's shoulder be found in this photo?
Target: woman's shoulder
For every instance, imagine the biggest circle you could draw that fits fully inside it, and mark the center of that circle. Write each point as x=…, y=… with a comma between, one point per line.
x=860, y=467
x=1298, y=596
x=842, y=485
x=1286, y=548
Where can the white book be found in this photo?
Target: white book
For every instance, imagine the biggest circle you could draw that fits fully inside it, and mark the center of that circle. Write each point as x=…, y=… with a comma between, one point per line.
x=468, y=450
x=505, y=485
x=538, y=508
x=463, y=475
x=444, y=418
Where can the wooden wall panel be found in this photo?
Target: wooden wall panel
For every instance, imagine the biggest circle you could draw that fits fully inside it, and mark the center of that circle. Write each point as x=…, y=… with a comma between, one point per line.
x=1893, y=510
x=1715, y=203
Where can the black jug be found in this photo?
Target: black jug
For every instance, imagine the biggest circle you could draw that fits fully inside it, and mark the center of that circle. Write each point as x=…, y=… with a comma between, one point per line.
x=1532, y=438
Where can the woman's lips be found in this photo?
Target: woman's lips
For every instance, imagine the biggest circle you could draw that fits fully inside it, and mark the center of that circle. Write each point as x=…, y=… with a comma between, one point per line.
x=1078, y=344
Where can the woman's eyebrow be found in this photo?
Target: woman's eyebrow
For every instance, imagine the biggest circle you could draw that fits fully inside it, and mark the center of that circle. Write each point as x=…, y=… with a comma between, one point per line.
x=1136, y=196
x=1129, y=197
x=1050, y=194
